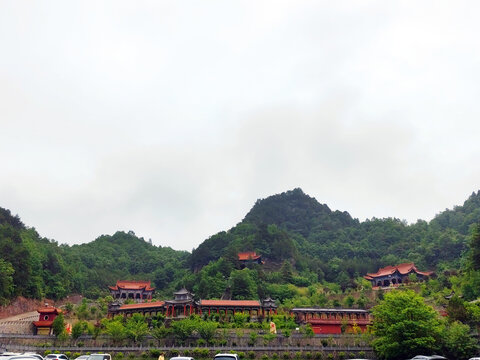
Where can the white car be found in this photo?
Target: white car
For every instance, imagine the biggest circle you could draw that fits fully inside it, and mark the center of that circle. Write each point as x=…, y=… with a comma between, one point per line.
x=226, y=357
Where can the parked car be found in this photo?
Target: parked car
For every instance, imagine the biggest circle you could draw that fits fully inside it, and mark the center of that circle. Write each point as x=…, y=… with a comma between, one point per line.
x=226, y=357
x=182, y=358
x=431, y=357
x=100, y=357
x=474, y=358
x=38, y=357
x=56, y=357
x=82, y=357
x=20, y=357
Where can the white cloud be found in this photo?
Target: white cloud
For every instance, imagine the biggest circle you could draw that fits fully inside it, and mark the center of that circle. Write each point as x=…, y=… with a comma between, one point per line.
x=171, y=119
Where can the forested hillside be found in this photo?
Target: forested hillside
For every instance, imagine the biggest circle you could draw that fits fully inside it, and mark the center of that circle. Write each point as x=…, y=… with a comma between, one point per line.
x=303, y=243
x=37, y=267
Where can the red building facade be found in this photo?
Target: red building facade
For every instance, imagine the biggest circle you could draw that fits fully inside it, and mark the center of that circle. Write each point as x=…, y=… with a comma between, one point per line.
x=333, y=321
x=45, y=319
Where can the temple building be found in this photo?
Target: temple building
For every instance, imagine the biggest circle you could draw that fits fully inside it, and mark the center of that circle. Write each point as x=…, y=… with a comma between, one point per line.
x=331, y=321
x=395, y=275
x=184, y=305
x=249, y=257
x=45, y=320
x=136, y=290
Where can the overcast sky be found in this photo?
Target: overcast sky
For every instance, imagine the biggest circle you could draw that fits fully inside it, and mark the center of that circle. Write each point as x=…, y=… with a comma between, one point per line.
x=170, y=118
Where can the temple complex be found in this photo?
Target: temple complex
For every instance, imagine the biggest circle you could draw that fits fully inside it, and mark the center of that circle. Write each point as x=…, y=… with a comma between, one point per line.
x=135, y=290
x=45, y=320
x=395, y=275
x=331, y=321
x=184, y=305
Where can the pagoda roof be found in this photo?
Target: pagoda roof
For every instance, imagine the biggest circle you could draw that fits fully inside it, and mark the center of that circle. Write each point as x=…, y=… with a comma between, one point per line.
x=43, y=323
x=182, y=292
x=132, y=285
x=252, y=303
x=49, y=310
x=142, y=305
x=248, y=255
x=403, y=269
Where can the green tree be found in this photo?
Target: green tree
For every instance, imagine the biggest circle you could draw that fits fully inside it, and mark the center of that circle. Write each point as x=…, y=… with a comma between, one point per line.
x=136, y=328
x=6, y=280
x=183, y=329
x=207, y=329
x=287, y=272
x=457, y=342
x=243, y=286
x=58, y=325
x=475, y=247
x=404, y=326
x=115, y=329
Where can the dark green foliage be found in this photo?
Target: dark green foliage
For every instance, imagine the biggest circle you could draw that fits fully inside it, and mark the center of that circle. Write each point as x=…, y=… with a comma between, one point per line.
x=405, y=326
x=302, y=242
x=475, y=247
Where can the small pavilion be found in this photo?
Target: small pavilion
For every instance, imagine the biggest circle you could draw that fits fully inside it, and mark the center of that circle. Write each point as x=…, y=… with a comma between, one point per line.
x=182, y=305
x=395, y=275
x=45, y=319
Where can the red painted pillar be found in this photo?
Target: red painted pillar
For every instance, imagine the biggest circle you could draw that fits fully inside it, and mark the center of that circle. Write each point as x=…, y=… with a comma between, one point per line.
x=276, y=312
x=184, y=310
x=208, y=311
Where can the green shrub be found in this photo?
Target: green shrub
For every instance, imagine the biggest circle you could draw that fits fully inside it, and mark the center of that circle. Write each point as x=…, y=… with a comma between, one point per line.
x=298, y=355
x=308, y=355
x=274, y=356
x=144, y=355
x=173, y=352
x=319, y=356
x=251, y=355
x=330, y=356
x=75, y=355
x=131, y=356
x=118, y=355
x=155, y=353
x=264, y=357
x=341, y=355
x=201, y=342
x=241, y=355
x=69, y=354
x=46, y=352
x=286, y=355
x=362, y=354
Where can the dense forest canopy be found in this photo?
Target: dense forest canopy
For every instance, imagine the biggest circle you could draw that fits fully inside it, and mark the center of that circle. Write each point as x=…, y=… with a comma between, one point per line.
x=302, y=241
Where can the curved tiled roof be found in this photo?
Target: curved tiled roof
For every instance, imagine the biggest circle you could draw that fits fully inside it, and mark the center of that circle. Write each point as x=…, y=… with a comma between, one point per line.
x=43, y=323
x=230, y=303
x=403, y=269
x=249, y=255
x=49, y=309
x=132, y=285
